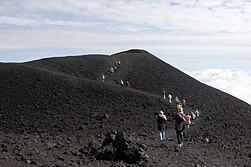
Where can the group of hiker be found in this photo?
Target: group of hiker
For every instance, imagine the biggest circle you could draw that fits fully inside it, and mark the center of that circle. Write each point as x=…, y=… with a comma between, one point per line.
x=112, y=69
x=167, y=96
x=125, y=83
x=180, y=120
x=116, y=65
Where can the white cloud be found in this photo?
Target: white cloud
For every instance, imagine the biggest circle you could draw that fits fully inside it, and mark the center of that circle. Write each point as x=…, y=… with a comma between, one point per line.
x=234, y=82
x=205, y=16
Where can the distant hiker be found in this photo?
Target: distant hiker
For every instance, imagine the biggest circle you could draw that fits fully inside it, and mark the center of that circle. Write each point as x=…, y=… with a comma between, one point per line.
x=121, y=82
x=111, y=70
x=164, y=93
x=170, y=98
x=188, y=119
x=177, y=99
x=161, y=121
x=197, y=114
x=119, y=63
x=179, y=107
x=127, y=83
x=103, y=77
x=116, y=64
x=180, y=122
x=183, y=103
x=192, y=117
x=115, y=68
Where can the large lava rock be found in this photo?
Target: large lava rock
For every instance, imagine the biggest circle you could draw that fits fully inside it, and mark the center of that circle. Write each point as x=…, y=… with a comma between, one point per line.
x=119, y=147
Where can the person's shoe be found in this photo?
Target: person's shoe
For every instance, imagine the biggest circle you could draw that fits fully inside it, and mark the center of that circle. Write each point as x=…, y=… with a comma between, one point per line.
x=180, y=145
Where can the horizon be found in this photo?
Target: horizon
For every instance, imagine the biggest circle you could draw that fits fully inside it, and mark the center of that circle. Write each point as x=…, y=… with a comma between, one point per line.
x=209, y=40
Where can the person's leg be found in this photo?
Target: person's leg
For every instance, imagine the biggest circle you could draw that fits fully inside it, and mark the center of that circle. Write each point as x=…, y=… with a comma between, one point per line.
x=163, y=134
x=160, y=135
x=178, y=136
x=181, y=137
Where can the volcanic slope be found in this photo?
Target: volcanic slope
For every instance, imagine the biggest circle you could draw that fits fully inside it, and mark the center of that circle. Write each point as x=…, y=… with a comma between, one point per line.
x=66, y=96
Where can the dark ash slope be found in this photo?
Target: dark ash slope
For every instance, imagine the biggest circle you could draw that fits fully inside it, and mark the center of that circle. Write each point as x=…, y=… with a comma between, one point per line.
x=49, y=99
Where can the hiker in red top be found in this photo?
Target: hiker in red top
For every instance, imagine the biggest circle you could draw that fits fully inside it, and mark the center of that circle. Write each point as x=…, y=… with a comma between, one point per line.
x=127, y=83
x=180, y=123
x=188, y=119
x=116, y=64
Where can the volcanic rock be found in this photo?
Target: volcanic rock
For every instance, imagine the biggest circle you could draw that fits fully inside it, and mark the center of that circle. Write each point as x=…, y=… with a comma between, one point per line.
x=44, y=103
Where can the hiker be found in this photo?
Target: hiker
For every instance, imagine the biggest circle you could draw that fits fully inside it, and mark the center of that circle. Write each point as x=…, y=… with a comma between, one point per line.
x=164, y=93
x=127, y=83
x=161, y=121
x=179, y=107
x=177, y=99
x=119, y=63
x=180, y=122
x=115, y=68
x=103, y=77
x=111, y=70
x=170, y=98
x=121, y=82
x=183, y=103
x=197, y=114
x=116, y=64
x=188, y=119
x=192, y=117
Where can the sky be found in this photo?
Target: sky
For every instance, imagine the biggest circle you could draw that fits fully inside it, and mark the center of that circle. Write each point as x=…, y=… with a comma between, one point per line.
x=208, y=39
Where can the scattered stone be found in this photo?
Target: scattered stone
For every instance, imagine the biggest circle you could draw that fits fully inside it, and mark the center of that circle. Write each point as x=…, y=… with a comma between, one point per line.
x=101, y=126
x=110, y=137
x=51, y=145
x=197, y=165
x=106, y=153
x=60, y=158
x=176, y=149
x=34, y=162
x=4, y=150
x=106, y=116
x=143, y=134
x=119, y=147
x=60, y=164
x=81, y=127
x=3, y=146
x=83, y=150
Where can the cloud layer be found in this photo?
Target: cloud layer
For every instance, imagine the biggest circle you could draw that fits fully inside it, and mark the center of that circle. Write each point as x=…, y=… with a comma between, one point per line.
x=234, y=82
x=101, y=26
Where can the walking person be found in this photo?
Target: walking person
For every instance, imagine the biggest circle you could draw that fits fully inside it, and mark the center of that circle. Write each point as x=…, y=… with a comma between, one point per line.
x=184, y=103
x=170, y=98
x=103, y=77
x=197, y=114
x=161, y=121
x=164, y=93
x=180, y=123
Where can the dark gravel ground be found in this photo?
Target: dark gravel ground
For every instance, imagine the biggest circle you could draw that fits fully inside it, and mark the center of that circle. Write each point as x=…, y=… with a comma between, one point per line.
x=54, y=111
